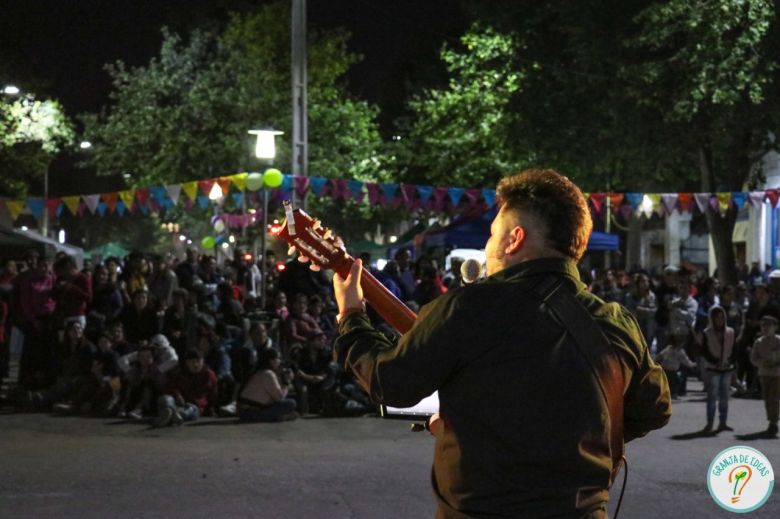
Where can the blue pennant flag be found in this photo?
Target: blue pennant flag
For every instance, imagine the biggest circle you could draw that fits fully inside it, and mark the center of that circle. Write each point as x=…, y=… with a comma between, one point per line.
x=456, y=193
x=120, y=208
x=490, y=196
x=318, y=184
x=144, y=208
x=102, y=207
x=167, y=203
x=634, y=199
x=425, y=193
x=355, y=187
x=59, y=210
x=287, y=183
x=238, y=198
x=159, y=193
x=203, y=201
x=739, y=198
x=389, y=190
x=36, y=207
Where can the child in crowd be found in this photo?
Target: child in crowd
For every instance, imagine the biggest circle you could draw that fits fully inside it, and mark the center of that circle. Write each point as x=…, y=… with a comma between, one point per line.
x=192, y=393
x=717, y=342
x=766, y=357
x=264, y=398
x=145, y=382
x=670, y=359
x=99, y=394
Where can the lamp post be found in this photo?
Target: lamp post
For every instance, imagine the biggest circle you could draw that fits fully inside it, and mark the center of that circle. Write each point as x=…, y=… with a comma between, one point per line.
x=265, y=150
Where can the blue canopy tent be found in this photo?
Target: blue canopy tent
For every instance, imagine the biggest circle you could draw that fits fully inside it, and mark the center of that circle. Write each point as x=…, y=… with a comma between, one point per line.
x=601, y=241
x=472, y=233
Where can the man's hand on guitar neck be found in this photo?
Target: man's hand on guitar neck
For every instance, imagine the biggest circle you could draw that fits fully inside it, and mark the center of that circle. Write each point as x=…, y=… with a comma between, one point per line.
x=348, y=292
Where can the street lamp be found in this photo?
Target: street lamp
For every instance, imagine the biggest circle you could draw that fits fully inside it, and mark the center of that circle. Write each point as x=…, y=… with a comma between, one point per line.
x=265, y=149
x=11, y=90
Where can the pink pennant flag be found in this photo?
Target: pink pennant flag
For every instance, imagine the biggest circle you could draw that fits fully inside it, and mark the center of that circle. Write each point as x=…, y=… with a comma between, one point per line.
x=52, y=204
x=473, y=195
x=407, y=193
x=597, y=199
x=373, y=189
x=301, y=186
x=440, y=197
x=626, y=210
x=339, y=189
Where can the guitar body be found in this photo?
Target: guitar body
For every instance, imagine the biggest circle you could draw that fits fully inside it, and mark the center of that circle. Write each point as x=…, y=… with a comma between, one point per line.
x=316, y=243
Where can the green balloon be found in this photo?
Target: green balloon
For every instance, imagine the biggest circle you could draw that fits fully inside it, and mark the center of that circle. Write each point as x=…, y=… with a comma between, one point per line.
x=208, y=242
x=254, y=181
x=272, y=177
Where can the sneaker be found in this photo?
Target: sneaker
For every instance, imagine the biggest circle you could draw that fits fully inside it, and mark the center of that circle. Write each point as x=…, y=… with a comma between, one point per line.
x=62, y=408
x=227, y=410
x=707, y=428
x=136, y=414
x=293, y=415
x=164, y=418
x=772, y=429
x=176, y=419
x=724, y=427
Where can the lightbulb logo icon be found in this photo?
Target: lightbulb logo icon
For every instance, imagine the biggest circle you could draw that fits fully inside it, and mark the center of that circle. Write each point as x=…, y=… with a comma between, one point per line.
x=731, y=471
x=743, y=475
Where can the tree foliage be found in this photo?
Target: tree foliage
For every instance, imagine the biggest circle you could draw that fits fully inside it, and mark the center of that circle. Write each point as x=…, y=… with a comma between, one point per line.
x=459, y=135
x=32, y=132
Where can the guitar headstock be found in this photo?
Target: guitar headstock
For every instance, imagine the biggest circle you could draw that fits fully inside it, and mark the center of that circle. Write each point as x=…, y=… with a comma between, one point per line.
x=314, y=241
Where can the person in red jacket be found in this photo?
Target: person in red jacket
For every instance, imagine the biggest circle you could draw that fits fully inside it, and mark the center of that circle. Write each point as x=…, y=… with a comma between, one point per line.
x=192, y=393
x=72, y=292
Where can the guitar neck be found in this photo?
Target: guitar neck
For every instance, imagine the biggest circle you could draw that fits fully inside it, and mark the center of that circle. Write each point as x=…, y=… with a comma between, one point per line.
x=389, y=307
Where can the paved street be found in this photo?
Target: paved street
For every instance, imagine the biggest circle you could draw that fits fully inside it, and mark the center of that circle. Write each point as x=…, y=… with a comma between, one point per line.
x=312, y=468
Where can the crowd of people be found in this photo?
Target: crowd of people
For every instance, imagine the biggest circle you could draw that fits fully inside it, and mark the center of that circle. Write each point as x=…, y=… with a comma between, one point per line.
x=724, y=335
x=153, y=338
x=171, y=340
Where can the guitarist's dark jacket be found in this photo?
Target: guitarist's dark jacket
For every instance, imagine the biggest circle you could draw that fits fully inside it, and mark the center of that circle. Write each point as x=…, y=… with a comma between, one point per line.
x=527, y=432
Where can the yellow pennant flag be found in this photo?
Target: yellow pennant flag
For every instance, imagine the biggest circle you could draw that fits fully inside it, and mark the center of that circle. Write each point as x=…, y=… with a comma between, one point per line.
x=239, y=180
x=724, y=199
x=15, y=208
x=72, y=203
x=190, y=189
x=127, y=198
x=655, y=204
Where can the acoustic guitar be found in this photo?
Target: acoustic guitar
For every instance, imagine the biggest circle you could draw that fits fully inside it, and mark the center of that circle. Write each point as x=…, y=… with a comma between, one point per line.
x=326, y=251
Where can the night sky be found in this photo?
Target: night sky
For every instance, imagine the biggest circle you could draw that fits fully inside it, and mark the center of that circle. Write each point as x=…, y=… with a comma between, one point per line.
x=59, y=48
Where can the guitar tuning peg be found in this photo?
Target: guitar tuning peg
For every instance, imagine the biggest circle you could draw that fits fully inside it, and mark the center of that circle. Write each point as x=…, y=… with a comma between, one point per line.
x=317, y=224
x=328, y=234
x=315, y=268
x=291, y=250
x=303, y=259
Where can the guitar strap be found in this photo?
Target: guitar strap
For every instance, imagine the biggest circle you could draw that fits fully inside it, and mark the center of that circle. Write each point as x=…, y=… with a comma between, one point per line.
x=593, y=345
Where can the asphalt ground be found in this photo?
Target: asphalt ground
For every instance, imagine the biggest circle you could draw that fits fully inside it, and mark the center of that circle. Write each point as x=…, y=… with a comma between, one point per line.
x=312, y=468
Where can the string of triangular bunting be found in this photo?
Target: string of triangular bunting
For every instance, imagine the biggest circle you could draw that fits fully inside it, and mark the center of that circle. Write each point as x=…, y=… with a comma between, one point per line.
x=410, y=196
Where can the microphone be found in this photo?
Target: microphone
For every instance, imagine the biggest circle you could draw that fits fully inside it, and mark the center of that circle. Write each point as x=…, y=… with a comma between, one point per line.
x=471, y=270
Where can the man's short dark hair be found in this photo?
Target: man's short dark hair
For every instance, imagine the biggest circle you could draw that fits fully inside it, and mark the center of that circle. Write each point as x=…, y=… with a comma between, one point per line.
x=556, y=202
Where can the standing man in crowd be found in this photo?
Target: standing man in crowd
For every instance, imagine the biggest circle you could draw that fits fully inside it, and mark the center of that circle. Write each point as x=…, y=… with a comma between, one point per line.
x=526, y=389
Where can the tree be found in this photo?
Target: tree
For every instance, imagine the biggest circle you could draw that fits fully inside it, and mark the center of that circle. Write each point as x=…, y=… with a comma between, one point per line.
x=459, y=135
x=643, y=95
x=709, y=70
x=32, y=132
x=185, y=115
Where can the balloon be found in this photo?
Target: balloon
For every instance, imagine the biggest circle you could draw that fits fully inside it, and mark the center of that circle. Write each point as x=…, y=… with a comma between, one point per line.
x=272, y=177
x=254, y=181
x=219, y=226
x=208, y=242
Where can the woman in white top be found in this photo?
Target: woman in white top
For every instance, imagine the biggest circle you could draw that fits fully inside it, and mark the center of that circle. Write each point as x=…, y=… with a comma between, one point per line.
x=263, y=398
